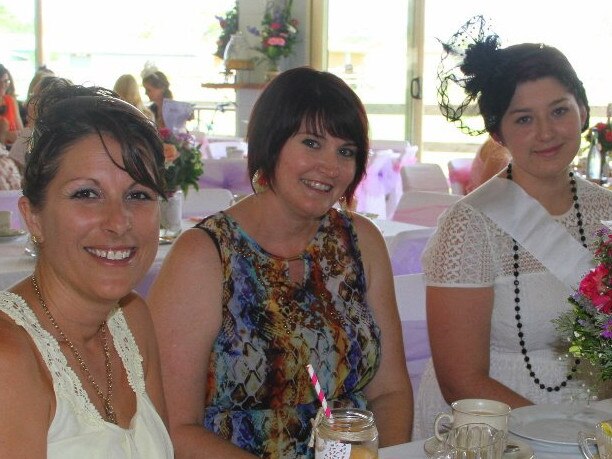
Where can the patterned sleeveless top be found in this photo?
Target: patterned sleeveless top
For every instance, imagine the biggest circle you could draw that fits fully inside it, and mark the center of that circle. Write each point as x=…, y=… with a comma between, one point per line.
x=259, y=395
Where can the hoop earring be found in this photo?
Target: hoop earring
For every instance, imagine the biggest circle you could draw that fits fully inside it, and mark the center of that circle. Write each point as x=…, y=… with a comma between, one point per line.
x=34, y=239
x=259, y=182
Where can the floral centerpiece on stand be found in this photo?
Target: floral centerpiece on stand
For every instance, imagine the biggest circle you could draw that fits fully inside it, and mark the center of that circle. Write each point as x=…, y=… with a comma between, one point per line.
x=278, y=32
x=229, y=26
x=604, y=135
x=182, y=169
x=588, y=326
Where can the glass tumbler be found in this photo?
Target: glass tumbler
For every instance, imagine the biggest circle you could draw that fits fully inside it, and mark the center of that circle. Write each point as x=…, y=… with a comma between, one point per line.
x=474, y=441
x=348, y=434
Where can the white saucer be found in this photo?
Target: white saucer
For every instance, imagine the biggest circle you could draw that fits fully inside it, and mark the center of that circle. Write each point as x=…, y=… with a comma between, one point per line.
x=11, y=234
x=432, y=445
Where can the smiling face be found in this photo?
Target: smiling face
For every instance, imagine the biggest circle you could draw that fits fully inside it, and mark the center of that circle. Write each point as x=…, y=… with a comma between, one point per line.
x=98, y=229
x=542, y=127
x=313, y=171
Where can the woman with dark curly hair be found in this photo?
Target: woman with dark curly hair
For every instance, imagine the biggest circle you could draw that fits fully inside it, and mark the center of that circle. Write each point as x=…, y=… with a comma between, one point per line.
x=505, y=258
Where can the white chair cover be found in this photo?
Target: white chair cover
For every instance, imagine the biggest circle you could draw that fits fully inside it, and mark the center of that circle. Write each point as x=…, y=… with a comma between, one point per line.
x=218, y=150
x=424, y=177
x=8, y=201
x=459, y=170
x=405, y=250
x=410, y=296
x=423, y=207
x=206, y=201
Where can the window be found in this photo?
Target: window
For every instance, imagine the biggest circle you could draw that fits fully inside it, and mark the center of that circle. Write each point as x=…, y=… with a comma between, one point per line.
x=97, y=42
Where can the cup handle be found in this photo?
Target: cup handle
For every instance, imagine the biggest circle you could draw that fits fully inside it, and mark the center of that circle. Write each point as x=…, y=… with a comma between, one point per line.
x=439, y=419
x=583, y=440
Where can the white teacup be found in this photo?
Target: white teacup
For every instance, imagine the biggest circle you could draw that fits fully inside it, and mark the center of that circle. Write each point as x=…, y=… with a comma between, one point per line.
x=475, y=411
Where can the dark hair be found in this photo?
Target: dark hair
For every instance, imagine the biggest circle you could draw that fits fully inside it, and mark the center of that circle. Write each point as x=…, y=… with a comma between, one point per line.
x=321, y=100
x=67, y=113
x=493, y=74
x=158, y=80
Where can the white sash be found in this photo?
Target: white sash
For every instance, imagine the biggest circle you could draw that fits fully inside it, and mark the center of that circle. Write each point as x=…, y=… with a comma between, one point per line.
x=526, y=220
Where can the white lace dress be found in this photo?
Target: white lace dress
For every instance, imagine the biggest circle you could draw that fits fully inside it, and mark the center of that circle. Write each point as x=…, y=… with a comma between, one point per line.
x=77, y=430
x=469, y=250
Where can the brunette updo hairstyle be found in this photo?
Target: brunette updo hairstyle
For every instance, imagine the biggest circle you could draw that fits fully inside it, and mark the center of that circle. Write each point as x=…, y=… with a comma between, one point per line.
x=321, y=100
x=492, y=74
x=159, y=80
x=67, y=113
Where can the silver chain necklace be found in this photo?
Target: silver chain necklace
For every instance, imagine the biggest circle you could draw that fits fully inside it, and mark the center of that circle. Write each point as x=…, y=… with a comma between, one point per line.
x=109, y=411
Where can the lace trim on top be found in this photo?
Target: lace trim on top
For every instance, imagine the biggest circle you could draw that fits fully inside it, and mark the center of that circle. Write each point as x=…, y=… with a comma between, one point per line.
x=66, y=383
x=469, y=250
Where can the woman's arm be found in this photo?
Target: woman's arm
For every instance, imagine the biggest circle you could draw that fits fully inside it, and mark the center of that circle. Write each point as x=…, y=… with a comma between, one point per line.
x=26, y=399
x=459, y=326
x=185, y=302
x=389, y=394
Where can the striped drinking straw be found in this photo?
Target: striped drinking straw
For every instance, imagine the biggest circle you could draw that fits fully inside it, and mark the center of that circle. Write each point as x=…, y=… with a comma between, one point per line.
x=318, y=390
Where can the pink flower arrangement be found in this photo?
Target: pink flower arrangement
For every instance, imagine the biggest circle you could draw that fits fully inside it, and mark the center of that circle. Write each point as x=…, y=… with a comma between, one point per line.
x=183, y=160
x=278, y=31
x=588, y=326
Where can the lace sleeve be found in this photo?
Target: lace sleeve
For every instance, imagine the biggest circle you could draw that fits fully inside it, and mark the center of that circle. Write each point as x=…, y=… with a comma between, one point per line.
x=459, y=253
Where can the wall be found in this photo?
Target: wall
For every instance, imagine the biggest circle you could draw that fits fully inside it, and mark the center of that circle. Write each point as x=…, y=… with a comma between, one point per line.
x=250, y=14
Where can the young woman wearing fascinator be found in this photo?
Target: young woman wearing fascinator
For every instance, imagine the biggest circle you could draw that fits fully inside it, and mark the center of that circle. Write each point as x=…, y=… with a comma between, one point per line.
x=253, y=294
x=505, y=258
x=79, y=365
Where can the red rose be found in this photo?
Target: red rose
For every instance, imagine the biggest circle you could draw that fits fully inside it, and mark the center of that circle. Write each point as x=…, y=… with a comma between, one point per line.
x=595, y=288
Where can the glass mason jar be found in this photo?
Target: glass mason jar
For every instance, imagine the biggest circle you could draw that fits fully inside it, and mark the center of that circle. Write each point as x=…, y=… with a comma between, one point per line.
x=348, y=434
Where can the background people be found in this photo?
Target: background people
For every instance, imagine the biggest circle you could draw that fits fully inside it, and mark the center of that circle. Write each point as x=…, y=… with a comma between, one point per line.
x=491, y=293
x=249, y=297
x=157, y=88
x=127, y=88
x=9, y=109
x=78, y=354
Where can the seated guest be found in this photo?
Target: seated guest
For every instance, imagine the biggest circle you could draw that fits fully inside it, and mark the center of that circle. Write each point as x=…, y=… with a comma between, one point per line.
x=78, y=356
x=127, y=88
x=489, y=160
x=10, y=178
x=253, y=294
x=157, y=88
x=9, y=109
x=492, y=291
x=20, y=147
x=42, y=72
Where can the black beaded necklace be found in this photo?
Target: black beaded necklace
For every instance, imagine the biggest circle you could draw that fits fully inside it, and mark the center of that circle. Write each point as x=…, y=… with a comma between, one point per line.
x=517, y=290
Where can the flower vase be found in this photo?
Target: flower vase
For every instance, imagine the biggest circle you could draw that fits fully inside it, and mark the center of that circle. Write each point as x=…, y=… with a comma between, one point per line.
x=171, y=214
x=272, y=71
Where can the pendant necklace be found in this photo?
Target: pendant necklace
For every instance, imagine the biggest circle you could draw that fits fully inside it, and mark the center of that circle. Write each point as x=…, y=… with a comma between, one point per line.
x=517, y=290
x=109, y=411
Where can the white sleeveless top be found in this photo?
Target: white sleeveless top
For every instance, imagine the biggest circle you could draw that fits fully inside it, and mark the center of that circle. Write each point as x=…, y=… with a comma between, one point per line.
x=77, y=429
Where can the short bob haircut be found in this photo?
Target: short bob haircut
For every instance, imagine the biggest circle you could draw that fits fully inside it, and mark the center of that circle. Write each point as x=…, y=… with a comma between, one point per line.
x=495, y=72
x=322, y=101
x=67, y=113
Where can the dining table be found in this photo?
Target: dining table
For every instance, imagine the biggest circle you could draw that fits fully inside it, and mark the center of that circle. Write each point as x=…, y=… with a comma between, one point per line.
x=567, y=449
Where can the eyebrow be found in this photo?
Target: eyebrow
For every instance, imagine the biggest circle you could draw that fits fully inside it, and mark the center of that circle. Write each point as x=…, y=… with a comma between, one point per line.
x=552, y=104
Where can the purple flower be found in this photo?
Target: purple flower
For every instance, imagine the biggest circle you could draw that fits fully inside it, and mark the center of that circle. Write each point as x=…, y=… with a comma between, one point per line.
x=607, y=330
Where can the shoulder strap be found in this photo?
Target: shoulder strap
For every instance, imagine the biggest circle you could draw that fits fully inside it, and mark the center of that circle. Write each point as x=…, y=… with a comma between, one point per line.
x=528, y=222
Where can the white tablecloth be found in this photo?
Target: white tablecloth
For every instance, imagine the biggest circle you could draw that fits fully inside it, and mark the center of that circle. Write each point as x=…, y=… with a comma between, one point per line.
x=414, y=450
